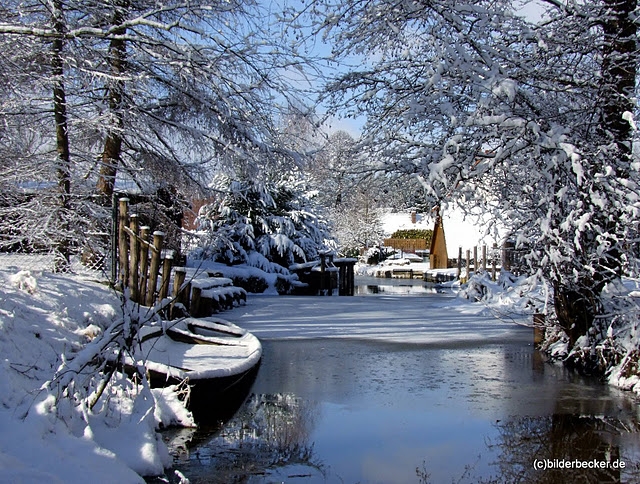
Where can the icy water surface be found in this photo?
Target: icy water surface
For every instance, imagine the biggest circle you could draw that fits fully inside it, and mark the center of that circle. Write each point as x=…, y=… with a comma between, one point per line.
x=344, y=407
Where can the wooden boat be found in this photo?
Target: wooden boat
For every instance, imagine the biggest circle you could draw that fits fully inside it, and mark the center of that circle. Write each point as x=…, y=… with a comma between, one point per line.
x=218, y=359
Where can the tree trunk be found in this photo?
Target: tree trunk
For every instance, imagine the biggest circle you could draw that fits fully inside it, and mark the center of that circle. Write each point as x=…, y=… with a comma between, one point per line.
x=63, y=168
x=577, y=306
x=619, y=70
x=113, y=144
x=575, y=311
x=619, y=73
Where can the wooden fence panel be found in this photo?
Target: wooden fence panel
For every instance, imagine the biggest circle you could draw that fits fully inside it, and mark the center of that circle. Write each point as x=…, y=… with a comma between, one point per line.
x=136, y=272
x=406, y=245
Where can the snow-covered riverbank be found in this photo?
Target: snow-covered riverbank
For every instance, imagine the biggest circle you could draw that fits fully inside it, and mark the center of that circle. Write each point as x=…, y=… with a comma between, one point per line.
x=46, y=319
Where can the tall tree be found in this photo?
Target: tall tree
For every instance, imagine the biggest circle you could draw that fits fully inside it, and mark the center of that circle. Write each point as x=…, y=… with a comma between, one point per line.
x=116, y=60
x=352, y=196
x=63, y=165
x=532, y=120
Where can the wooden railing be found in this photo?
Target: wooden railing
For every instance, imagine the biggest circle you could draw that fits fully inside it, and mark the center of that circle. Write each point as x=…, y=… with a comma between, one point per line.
x=145, y=270
x=141, y=260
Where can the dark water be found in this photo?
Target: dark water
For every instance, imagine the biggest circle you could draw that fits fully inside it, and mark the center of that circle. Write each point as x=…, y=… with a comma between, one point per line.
x=349, y=411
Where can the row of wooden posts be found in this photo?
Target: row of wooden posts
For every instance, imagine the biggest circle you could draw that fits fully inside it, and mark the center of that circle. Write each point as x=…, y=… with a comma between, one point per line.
x=469, y=260
x=507, y=254
x=142, y=264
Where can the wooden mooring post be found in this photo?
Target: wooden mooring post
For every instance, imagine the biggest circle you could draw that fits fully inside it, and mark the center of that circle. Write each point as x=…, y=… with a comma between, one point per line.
x=346, y=276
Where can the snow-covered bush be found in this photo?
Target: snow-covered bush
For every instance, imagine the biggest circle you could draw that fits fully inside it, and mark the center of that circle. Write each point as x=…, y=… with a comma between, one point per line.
x=93, y=396
x=270, y=224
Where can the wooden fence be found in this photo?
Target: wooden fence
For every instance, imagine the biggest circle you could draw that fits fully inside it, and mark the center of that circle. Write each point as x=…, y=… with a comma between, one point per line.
x=407, y=245
x=506, y=258
x=145, y=269
x=141, y=260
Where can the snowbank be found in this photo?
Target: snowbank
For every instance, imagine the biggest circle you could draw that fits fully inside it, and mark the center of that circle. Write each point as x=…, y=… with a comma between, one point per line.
x=45, y=320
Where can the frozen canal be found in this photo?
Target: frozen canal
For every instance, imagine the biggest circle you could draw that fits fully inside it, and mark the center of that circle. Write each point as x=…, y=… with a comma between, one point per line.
x=408, y=385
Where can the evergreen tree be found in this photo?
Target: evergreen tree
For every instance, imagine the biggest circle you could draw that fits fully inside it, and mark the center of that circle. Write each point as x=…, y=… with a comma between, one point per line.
x=270, y=223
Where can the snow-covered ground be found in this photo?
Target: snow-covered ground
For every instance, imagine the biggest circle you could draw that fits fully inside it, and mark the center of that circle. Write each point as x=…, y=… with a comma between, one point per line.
x=44, y=316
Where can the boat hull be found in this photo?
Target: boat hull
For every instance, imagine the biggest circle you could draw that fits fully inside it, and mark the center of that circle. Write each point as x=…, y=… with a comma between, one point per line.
x=217, y=359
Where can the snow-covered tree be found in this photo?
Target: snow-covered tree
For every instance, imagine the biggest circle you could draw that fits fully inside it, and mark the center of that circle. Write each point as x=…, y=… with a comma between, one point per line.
x=353, y=193
x=154, y=94
x=270, y=223
x=532, y=120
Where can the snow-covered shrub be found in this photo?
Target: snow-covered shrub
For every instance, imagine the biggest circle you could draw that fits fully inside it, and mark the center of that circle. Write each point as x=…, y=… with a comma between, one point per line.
x=94, y=396
x=270, y=224
x=524, y=295
x=251, y=283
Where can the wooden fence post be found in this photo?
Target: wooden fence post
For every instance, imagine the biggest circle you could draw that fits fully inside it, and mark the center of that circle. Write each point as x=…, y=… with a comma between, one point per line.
x=484, y=258
x=123, y=246
x=507, y=255
x=154, y=269
x=133, y=258
x=195, y=301
x=144, y=263
x=167, y=262
x=459, y=261
x=179, y=276
x=493, y=261
x=475, y=259
x=468, y=264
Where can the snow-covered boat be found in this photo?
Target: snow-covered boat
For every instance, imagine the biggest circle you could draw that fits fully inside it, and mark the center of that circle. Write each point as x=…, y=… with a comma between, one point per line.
x=217, y=359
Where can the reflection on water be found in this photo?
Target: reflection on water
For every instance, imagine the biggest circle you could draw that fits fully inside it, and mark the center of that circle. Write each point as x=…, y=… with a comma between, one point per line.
x=348, y=411
x=269, y=432
x=593, y=448
x=395, y=289
x=365, y=286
